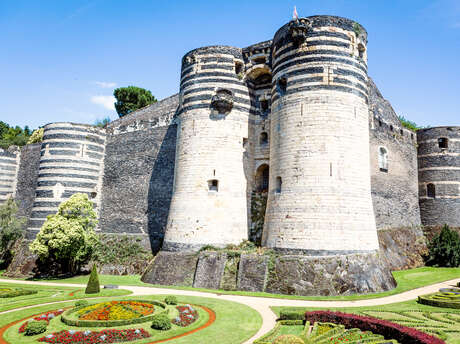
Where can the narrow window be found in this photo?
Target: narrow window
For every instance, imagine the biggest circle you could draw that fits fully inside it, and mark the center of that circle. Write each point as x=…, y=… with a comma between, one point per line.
x=238, y=67
x=391, y=127
x=380, y=122
x=443, y=143
x=259, y=60
x=279, y=183
x=261, y=178
x=263, y=138
x=213, y=185
x=401, y=132
x=431, y=190
x=412, y=137
x=361, y=50
x=281, y=86
x=383, y=159
x=82, y=150
x=264, y=106
x=245, y=142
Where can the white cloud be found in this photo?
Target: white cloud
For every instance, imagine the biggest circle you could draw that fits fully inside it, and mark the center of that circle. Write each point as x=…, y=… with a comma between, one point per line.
x=105, y=101
x=104, y=84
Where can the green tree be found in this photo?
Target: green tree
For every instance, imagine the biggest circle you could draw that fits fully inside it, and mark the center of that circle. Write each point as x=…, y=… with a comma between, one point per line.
x=102, y=123
x=409, y=124
x=444, y=249
x=93, y=286
x=68, y=237
x=37, y=136
x=14, y=136
x=3, y=128
x=11, y=229
x=131, y=98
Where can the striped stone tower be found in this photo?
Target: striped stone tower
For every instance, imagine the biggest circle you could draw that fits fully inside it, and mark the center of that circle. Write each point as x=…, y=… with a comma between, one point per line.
x=71, y=161
x=439, y=175
x=209, y=203
x=319, y=198
x=9, y=164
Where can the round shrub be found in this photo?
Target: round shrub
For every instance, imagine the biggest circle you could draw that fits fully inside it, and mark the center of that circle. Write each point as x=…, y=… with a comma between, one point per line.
x=81, y=303
x=171, y=300
x=35, y=327
x=161, y=322
x=288, y=339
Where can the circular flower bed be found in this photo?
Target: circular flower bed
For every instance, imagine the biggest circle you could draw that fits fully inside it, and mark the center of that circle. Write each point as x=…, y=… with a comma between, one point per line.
x=95, y=337
x=113, y=313
x=12, y=292
x=446, y=297
x=187, y=315
x=45, y=316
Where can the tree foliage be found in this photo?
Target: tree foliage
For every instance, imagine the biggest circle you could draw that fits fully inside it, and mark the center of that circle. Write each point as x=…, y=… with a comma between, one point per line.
x=102, y=123
x=409, y=124
x=37, y=136
x=131, y=98
x=13, y=136
x=11, y=229
x=68, y=237
x=444, y=249
x=93, y=286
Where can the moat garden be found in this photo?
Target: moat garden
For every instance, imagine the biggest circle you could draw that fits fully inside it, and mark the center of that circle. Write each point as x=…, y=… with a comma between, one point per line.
x=60, y=311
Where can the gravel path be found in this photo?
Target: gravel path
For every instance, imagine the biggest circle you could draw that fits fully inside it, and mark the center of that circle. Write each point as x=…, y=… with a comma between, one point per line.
x=260, y=304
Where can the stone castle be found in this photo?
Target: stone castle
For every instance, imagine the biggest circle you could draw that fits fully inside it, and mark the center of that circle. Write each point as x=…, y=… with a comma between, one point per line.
x=287, y=142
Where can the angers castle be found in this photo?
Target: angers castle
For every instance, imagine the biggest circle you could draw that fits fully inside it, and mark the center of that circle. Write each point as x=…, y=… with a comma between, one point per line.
x=287, y=142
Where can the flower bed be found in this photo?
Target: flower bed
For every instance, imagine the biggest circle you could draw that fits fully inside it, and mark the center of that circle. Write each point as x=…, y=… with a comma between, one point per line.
x=45, y=316
x=385, y=328
x=446, y=297
x=11, y=292
x=187, y=315
x=94, y=337
x=114, y=313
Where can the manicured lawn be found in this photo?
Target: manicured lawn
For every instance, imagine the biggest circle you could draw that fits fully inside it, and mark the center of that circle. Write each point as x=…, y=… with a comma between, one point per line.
x=50, y=294
x=425, y=318
x=234, y=322
x=406, y=280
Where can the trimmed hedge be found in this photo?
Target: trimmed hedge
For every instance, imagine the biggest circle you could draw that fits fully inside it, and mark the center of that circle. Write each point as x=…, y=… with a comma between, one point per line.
x=93, y=286
x=171, y=300
x=383, y=327
x=161, y=322
x=81, y=303
x=66, y=319
x=35, y=327
x=288, y=339
x=7, y=292
x=292, y=315
x=447, y=298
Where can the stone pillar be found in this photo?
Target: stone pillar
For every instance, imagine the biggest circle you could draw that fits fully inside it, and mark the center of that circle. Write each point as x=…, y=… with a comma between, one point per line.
x=319, y=198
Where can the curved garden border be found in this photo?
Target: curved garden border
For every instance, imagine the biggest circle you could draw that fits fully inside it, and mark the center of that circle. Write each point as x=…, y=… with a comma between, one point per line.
x=386, y=328
x=212, y=318
x=447, y=303
x=15, y=292
x=110, y=323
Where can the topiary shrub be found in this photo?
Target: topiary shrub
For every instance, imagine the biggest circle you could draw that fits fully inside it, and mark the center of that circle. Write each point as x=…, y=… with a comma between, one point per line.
x=81, y=303
x=93, y=286
x=171, y=300
x=444, y=249
x=161, y=322
x=35, y=327
x=288, y=339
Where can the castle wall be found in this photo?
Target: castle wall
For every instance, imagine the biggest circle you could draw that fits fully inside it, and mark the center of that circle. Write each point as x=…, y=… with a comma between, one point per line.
x=394, y=188
x=71, y=161
x=439, y=167
x=319, y=198
x=139, y=172
x=209, y=204
x=9, y=163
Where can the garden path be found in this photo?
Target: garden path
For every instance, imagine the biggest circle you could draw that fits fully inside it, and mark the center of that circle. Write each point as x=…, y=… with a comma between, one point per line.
x=260, y=304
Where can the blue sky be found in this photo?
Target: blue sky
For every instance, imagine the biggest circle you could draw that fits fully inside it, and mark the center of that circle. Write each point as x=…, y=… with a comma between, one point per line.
x=61, y=60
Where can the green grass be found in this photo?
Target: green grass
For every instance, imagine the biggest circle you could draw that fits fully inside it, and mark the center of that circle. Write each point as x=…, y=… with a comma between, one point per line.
x=50, y=294
x=410, y=313
x=406, y=280
x=234, y=323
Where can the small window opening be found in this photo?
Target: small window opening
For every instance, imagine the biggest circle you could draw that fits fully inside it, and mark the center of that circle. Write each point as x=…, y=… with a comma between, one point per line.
x=401, y=132
x=279, y=183
x=213, y=185
x=412, y=136
x=282, y=86
x=391, y=127
x=93, y=194
x=82, y=151
x=380, y=123
x=262, y=176
x=264, y=105
x=383, y=159
x=431, y=190
x=443, y=143
x=245, y=142
x=259, y=60
x=238, y=67
x=361, y=50
x=263, y=138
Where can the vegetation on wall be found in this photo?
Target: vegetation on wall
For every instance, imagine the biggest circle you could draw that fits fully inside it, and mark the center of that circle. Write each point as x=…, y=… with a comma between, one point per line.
x=68, y=238
x=444, y=249
x=13, y=136
x=409, y=124
x=11, y=229
x=132, y=98
x=102, y=123
x=37, y=136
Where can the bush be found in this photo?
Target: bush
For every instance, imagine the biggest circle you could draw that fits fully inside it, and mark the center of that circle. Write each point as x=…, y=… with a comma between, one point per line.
x=385, y=328
x=37, y=136
x=93, y=286
x=444, y=249
x=11, y=229
x=288, y=339
x=292, y=315
x=161, y=322
x=35, y=327
x=171, y=300
x=81, y=303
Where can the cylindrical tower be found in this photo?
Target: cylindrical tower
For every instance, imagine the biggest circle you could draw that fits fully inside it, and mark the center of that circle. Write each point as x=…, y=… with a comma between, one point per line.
x=71, y=161
x=209, y=202
x=319, y=196
x=9, y=163
x=439, y=175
